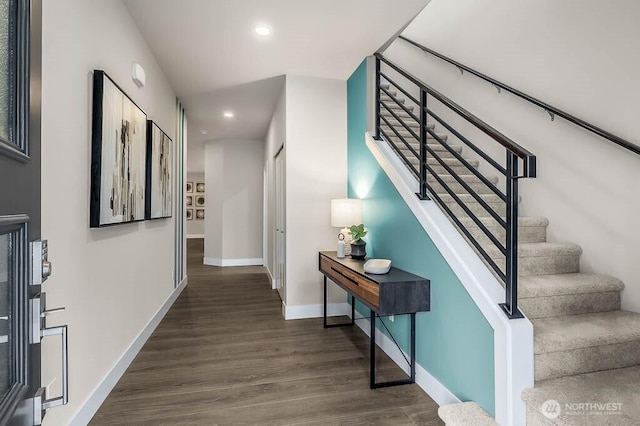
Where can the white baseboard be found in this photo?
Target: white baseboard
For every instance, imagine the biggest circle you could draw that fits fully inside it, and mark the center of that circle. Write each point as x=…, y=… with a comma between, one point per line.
x=233, y=262
x=436, y=390
x=314, y=311
x=93, y=402
x=271, y=279
x=190, y=236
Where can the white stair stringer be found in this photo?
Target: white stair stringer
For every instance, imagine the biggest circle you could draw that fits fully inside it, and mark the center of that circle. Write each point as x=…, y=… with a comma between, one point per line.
x=513, y=339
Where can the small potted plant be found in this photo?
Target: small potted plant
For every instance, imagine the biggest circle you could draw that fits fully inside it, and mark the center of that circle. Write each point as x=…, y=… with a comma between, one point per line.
x=358, y=245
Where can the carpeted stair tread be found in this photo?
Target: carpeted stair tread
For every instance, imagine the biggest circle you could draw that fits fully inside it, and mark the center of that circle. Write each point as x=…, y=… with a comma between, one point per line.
x=566, y=284
x=584, y=331
x=545, y=249
x=465, y=414
x=619, y=386
x=466, y=178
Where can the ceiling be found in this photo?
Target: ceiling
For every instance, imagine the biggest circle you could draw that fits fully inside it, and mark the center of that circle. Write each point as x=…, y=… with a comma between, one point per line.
x=204, y=46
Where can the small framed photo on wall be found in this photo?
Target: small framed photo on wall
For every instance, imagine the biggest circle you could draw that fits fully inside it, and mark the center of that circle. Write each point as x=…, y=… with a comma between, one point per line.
x=200, y=187
x=189, y=187
x=199, y=213
x=189, y=200
x=189, y=214
x=199, y=200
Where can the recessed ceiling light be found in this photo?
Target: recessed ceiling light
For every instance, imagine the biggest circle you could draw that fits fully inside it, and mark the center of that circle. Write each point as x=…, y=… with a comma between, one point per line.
x=263, y=30
x=228, y=114
x=204, y=131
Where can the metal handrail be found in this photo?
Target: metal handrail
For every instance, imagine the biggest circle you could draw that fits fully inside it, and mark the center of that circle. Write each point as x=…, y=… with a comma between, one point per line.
x=426, y=172
x=553, y=111
x=529, y=160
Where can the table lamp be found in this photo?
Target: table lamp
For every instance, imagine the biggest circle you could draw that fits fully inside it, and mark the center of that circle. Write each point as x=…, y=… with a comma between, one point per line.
x=344, y=213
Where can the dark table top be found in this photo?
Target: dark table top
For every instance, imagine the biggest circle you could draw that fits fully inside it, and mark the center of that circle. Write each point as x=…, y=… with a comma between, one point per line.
x=394, y=274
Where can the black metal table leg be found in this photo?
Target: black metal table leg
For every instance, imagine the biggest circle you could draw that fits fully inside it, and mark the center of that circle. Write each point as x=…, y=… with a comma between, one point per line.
x=324, y=310
x=372, y=352
x=372, y=357
x=413, y=348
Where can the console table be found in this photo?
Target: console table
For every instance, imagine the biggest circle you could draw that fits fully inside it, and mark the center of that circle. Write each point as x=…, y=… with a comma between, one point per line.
x=395, y=293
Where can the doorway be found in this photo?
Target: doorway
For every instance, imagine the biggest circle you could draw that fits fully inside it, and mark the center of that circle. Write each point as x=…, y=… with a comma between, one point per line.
x=280, y=219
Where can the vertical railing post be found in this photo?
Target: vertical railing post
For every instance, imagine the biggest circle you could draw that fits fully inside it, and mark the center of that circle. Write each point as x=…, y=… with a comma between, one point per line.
x=423, y=194
x=377, y=98
x=511, y=266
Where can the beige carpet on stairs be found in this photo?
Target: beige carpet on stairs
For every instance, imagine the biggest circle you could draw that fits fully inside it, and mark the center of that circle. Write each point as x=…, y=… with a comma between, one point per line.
x=587, y=350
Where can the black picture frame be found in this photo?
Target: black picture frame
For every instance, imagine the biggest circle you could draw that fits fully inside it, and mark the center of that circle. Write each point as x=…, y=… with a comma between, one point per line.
x=159, y=176
x=124, y=201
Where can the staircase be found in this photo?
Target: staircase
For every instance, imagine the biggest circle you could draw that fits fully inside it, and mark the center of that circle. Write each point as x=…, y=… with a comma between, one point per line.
x=586, y=348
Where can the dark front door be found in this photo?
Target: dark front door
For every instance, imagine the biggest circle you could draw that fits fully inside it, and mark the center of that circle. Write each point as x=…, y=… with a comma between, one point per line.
x=20, y=29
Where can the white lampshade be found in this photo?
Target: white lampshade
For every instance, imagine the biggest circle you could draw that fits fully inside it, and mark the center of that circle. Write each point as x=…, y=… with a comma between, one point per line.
x=346, y=212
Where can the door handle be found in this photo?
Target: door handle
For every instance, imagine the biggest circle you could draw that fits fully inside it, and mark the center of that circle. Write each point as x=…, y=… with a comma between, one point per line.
x=39, y=331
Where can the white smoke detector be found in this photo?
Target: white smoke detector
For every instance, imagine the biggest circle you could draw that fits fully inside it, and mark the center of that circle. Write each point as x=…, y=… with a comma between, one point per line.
x=138, y=75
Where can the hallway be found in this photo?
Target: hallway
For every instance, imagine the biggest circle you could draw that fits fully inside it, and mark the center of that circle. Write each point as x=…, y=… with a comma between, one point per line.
x=224, y=355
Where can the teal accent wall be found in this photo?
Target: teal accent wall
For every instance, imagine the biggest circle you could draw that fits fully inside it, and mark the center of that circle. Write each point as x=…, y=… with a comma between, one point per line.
x=454, y=341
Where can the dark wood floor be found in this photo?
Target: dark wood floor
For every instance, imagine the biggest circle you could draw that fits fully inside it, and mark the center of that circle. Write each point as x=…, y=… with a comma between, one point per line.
x=224, y=355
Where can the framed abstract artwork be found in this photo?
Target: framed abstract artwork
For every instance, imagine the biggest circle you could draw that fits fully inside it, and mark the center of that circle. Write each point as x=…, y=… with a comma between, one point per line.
x=118, y=156
x=159, y=173
x=190, y=187
x=199, y=213
x=200, y=187
x=189, y=214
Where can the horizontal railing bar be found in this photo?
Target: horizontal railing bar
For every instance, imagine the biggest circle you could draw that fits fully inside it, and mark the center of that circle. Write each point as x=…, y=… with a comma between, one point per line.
x=549, y=108
x=397, y=86
x=404, y=108
x=414, y=134
x=529, y=160
x=399, y=152
x=473, y=241
x=459, y=157
x=467, y=142
x=479, y=199
x=407, y=144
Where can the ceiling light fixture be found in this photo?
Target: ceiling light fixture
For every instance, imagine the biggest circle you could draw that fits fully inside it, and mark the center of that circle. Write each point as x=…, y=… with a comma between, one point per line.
x=228, y=114
x=263, y=30
x=204, y=131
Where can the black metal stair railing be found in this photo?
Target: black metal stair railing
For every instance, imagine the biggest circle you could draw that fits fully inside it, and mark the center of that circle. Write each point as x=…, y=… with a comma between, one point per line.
x=396, y=122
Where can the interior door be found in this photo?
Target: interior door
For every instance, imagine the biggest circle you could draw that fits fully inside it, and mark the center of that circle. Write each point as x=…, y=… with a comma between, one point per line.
x=20, y=33
x=280, y=249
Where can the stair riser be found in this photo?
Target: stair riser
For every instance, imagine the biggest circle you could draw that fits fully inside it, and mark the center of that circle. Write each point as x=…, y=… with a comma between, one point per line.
x=413, y=140
x=586, y=360
x=544, y=265
x=451, y=162
x=457, y=188
x=440, y=150
x=534, y=418
x=413, y=125
x=571, y=304
x=529, y=234
x=394, y=106
x=387, y=100
x=476, y=208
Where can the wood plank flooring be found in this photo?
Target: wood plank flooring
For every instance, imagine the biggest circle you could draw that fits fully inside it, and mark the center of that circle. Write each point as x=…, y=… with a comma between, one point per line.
x=224, y=355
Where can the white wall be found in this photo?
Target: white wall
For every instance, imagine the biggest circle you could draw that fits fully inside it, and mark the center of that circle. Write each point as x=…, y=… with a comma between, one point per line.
x=233, y=233
x=574, y=55
x=274, y=140
x=195, y=227
x=316, y=172
x=112, y=280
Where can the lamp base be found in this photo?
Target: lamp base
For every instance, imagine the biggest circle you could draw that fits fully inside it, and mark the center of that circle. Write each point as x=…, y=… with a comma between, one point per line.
x=347, y=240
